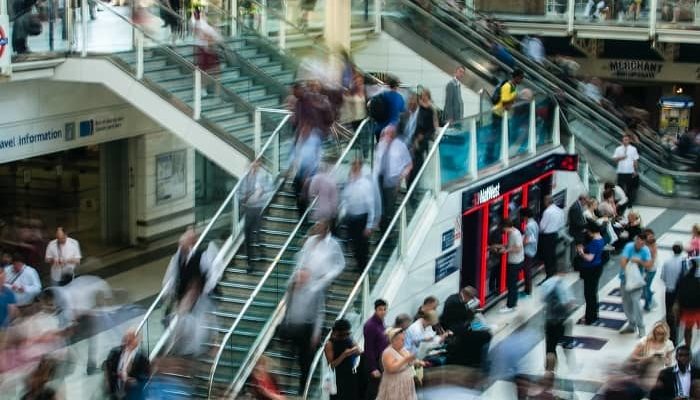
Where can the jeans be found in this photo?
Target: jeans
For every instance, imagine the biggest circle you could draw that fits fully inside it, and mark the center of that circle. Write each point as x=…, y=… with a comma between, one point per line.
x=648, y=294
x=512, y=283
x=591, y=278
x=631, y=307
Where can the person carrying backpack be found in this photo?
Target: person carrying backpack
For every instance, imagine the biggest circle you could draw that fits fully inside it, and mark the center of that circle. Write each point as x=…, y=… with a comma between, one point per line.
x=503, y=98
x=559, y=303
x=386, y=107
x=688, y=299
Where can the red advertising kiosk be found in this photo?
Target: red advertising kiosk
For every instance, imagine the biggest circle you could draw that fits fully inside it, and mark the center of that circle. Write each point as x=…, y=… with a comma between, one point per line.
x=486, y=206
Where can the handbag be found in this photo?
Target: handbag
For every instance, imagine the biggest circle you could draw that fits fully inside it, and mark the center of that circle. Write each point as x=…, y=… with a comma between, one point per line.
x=633, y=278
x=329, y=385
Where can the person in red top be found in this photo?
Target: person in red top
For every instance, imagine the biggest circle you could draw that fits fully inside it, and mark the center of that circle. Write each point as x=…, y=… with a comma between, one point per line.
x=263, y=383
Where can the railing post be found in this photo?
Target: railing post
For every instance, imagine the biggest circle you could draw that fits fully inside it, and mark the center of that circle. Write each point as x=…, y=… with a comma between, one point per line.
x=69, y=18
x=504, y=140
x=556, y=133
x=437, y=177
x=653, y=4
x=235, y=217
x=570, y=16
x=586, y=177
x=263, y=19
x=402, y=233
x=84, y=15
x=234, y=18
x=282, y=34
x=377, y=16
x=532, y=129
x=473, y=154
x=257, y=131
x=276, y=154
x=139, y=55
x=366, y=301
x=572, y=144
x=197, y=94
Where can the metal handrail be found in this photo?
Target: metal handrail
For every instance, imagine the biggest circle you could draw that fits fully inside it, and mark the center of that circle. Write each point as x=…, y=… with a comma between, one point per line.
x=264, y=278
x=216, y=216
x=377, y=250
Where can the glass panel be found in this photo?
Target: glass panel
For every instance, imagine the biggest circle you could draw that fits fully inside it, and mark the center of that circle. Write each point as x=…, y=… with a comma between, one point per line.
x=682, y=14
x=454, y=155
x=488, y=141
x=44, y=29
x=494, y=270
x=518, y=128
x=544, y=114
x=363, y=12
x=631, y=13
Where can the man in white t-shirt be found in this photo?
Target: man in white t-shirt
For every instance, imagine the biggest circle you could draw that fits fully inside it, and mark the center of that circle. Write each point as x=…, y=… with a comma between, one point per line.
x=516, y=259
x=63, y=254
x=626, y=157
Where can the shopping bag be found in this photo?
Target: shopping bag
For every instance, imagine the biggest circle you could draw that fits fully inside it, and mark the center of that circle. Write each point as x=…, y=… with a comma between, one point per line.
x=633, y=277
x=329, y=385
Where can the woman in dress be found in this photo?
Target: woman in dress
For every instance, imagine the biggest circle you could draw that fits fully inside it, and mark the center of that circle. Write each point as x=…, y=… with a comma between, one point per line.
x=397, y=379
x=656, y=351
x=341, y=353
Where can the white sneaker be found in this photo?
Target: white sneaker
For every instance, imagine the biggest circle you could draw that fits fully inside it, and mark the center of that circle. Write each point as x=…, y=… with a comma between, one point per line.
x=506, y=310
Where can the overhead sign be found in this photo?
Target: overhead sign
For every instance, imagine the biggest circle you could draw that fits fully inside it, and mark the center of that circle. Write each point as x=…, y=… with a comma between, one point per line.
x=5, y=48
x=639, y=70
x=635, y=69
x=23, y=140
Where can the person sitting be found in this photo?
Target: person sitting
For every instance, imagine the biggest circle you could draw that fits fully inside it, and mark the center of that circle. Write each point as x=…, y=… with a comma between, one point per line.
x=628, y=230
x=421, y=335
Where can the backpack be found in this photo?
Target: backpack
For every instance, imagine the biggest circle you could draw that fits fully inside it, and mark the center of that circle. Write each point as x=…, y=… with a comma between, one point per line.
x=378, y=108
x=688, y=289
x=496, y=96
x=556, y=310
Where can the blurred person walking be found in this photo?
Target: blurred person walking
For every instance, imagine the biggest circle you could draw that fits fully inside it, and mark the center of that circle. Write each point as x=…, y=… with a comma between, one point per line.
x=409, y=120
x=671, y=273
x=590, y=269
x=635, y=255
x=321, y=255
x=324, y=187
x=184, y=269
x=454, y=105
x=63, y=254
x=675, y=382
x=256, y=188
x=375, y=343
x=342, y=354
x=38, y=380
x=533, y=48
x=397, y=381
x=559, y=303
x=127, y=369
x=358, y=204
x=206, y=41
x=305, y=159
x=303, y=319
x=689, y=300
x=386, y=108
x=23, y=280
x=551, y=223
x=263, y=383
x=530, y=238
x=626, y=157
x=393, y=165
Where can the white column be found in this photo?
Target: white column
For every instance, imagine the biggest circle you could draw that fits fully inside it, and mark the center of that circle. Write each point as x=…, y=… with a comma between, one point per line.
x=233, y=14
x=84, y=16
x=336, y=30
x=556, y=138
x=257, y=131
x=504, y=139
x=653, y=5
x=532, y=129
x=235, y=219
x=570, y=16
x=139, y=55
x=377, y=16
x=263, y=19
x=197, y=94
x=473, y=155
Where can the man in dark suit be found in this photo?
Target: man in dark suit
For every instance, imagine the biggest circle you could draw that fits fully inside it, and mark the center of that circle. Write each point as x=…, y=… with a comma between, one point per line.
x=577, y=221
x=676, y=382
x=127, y=369
x=454, y=106
x=458, y=310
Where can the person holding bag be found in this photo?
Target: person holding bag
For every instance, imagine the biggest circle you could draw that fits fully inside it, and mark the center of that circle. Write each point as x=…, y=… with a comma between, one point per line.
x=591, y=268
x=342, y=354
x=635, y=256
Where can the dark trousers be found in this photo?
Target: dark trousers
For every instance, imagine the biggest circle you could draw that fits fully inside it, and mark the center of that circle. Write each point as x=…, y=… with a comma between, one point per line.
x=628, y=183
x=553, y=334
x=300, y=336
x=671, y=319
x=356, y=225
x=528, y=267
x=591, y=278
x=372, y=388
x=300, y=192
x=548, y=252
x=389, y=195
x=253, y=218
x=512, y=282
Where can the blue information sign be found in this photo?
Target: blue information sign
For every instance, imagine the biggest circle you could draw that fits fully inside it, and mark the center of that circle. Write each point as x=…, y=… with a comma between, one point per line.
x=446, y=264
x=448, y=239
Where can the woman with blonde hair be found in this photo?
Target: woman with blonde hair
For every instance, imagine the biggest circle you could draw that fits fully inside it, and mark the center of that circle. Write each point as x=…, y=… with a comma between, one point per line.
x=655, y=351
x=397, y=379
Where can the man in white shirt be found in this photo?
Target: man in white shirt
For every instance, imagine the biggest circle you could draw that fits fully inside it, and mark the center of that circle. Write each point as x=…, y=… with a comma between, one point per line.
x=552, y=222
x=626, y=157
x=358, y=200
x=63, y=254
x=421, y=331
x=394, y=163
x=516, y=258
x=23, y=280
x=255, y=189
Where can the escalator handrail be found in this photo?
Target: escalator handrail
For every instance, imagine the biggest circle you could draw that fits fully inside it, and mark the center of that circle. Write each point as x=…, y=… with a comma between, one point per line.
x=210, y=224
x=302, y=220
x=358, y=285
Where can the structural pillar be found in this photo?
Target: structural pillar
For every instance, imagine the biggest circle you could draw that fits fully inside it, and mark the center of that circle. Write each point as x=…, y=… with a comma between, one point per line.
x=336, y=30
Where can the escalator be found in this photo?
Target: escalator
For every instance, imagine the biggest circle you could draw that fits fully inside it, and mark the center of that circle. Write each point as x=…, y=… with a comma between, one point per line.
x=436, y=28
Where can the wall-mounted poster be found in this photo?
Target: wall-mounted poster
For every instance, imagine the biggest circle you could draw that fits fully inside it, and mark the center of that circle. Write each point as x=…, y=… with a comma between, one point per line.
x=171, y=178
